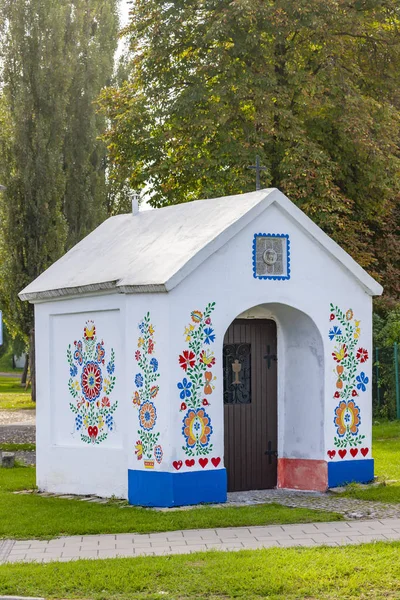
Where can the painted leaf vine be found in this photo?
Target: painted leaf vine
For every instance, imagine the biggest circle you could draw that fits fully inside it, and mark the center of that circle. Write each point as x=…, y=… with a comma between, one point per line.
x=351, y=379
x=146, y=391
x=195, y=388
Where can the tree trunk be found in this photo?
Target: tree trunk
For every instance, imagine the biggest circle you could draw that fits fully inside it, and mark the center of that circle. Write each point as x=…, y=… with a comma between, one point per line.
x=25, y=371
x=32, y=364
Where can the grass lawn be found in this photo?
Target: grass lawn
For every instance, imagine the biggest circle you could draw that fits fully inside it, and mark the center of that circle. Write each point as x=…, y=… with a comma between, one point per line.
x=17, y=447
x=386, y=452
x=370, y=571
x=32, y=516
x=13, y=396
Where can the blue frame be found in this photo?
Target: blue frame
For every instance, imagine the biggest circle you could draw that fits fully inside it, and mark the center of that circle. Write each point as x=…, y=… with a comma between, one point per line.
x=277, y=277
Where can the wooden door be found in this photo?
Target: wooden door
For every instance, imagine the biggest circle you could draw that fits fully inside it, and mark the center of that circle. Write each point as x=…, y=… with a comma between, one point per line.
x=250, y=404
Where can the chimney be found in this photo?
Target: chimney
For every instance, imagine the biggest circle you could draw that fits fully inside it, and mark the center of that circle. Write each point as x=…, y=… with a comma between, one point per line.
x=135, y=203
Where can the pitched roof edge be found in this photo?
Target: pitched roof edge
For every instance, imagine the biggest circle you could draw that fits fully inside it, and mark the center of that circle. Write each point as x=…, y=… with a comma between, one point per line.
x=220, y=240
x=370, y=285
x=68, y=292
x=145, y=288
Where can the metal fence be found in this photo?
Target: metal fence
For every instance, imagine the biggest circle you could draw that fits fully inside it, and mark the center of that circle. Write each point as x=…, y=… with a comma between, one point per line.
x=386, y=385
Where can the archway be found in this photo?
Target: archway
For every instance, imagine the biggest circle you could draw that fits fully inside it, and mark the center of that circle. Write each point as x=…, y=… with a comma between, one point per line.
x=295, y=411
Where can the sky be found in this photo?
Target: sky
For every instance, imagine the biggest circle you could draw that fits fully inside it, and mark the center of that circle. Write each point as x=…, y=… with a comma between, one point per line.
x=124, y=10
x=124, y=18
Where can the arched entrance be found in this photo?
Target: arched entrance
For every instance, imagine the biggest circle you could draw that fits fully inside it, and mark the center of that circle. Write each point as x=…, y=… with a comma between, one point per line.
x=273, y=400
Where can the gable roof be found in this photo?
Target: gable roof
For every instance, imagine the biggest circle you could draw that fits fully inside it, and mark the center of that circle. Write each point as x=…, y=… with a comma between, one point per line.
x=153, y=251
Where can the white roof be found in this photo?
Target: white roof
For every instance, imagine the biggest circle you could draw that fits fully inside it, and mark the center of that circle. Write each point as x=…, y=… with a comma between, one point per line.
x=153, y=251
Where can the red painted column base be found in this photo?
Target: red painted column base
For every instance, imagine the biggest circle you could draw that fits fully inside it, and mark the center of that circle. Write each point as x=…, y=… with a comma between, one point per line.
x=302, y=474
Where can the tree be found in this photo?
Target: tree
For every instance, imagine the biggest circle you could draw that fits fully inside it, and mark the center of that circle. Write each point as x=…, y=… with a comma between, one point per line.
x=94, y=36
x=310, y=86
x=50, y=72
x=35, y=68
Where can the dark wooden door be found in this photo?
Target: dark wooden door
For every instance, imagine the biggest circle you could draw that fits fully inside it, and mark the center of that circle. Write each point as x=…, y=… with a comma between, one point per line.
x=250, y=404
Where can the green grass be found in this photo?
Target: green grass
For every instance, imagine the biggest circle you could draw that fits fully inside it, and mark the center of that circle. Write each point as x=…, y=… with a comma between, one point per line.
x=13, y=396
x=17, y=447
x=367, y=572
x=32, y=516
x=386, y=452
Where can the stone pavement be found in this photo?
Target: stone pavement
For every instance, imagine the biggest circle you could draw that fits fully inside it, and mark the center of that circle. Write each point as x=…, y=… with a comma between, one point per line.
x=350, y=508
x=18, y=427
x=338, y=533
x=26, y=417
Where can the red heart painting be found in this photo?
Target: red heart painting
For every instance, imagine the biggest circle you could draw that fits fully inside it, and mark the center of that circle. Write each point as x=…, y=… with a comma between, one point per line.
x=331, y=453
x=354, y=452
x=177, y=464
x=215, y=461
x=93, y=431
x=189, y=462
x=364, y=451
x=203, y=462
x=342, y=453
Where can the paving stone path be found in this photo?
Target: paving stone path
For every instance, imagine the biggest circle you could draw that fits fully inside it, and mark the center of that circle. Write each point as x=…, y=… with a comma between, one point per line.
x=18, y=427
x=199, y=540
x=18, y=417
x=350, y=508
x=17, y=434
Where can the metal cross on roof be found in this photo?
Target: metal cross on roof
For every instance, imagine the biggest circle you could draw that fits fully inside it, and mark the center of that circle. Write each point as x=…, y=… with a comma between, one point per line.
x=258, y=169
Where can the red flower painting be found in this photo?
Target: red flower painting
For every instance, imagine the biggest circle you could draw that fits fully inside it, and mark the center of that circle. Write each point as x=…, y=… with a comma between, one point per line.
x=91, y=381
x=362, y=355
x=187, y=360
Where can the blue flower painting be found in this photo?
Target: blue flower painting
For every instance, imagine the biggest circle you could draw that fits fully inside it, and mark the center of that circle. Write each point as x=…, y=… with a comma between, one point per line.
x=334, y=332
x=362, y=381
x=110, y=368
x=210, y=335
x=154, y=364
x=185, y=388
x=139, y=380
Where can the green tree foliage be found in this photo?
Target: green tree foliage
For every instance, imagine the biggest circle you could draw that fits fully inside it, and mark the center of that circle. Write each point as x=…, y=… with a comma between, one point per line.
x=54, y=59
x=386, y=334
x=311, y=86
x=35, y=83
x=93, y=36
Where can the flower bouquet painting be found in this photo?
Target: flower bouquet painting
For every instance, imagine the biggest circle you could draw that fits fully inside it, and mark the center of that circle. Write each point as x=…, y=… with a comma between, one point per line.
x=91, y=383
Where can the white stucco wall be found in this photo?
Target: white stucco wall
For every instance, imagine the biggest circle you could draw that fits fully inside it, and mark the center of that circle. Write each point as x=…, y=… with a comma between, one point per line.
x=64, y=462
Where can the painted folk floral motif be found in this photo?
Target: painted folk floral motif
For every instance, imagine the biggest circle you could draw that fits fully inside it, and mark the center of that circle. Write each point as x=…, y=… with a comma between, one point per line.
x=196, y=386
x=91, y=383
x=351, y=381
x=145, y=394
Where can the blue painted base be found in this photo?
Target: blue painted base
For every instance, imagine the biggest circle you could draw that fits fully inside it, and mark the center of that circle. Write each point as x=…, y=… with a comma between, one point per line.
x=348, y=471
x=155, y=488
